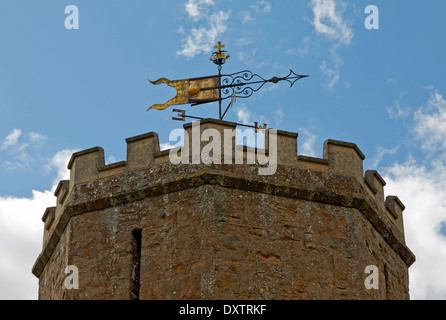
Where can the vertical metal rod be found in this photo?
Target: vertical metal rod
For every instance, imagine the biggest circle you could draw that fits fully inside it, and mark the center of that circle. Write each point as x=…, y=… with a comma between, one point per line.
x=219, y=92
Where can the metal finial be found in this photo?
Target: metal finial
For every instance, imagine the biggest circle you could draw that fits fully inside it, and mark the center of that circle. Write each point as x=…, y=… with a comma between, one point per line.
x=219, y=57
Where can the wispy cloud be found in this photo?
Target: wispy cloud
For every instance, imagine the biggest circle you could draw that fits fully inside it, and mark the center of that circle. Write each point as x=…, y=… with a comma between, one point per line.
x=431, y=123
x=329, y=23
x=58, y=163
x=12, y=139
x=332, y=72
x=302, y=50
x=37, y=139
x=250, y=16
x=202, y=38
x=197, y=8
x=307, y=142
x=391, y=81
x=380, y=154
x=250, y=57
x=15, y=149
x=397, y=110
x=246, y=116
x=168, y=145
x=262, y=7
x=247, y=18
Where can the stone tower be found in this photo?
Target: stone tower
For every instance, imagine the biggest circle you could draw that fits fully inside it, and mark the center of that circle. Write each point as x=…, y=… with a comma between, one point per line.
x=146, y=228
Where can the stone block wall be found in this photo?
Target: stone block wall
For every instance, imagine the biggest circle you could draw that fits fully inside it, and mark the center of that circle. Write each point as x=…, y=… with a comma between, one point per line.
x=145, y=228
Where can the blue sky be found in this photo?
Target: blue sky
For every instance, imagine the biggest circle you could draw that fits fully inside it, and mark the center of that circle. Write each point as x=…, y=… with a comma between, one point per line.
x=67, y=90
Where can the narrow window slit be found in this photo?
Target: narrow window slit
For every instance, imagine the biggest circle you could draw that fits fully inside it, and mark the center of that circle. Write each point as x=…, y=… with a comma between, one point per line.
x=136, y=265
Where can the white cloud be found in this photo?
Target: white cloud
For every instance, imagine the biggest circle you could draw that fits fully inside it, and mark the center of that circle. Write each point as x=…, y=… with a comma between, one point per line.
x=12, y=139
x=11, y=167
x=16, y=150
x=58, y=163
x=111, y=159
x=262, y=6
x=422, y=190
x=332, y=73
x=307, y=143
x=19, y=158
x=168, y=145
x=247, y=18
x=380, y=154
x=397, y=111
x=259, y=8
x=329, y=23
x=197, y=8
x=245, y=116
x=203, y=38
x=22, y=155
x=421, y=186
x=431, y=122
x=250, y=58
x=37, y=139
x=21, y=231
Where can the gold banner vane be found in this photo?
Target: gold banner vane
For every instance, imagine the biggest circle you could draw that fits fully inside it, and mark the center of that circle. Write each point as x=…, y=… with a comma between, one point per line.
x=189, y=91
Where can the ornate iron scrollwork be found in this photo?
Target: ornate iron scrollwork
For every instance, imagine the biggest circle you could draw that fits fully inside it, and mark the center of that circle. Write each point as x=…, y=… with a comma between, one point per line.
x=203, y=90
x=243, y=84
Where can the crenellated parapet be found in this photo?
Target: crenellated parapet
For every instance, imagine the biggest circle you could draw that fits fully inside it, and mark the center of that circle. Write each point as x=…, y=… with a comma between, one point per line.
x=211, y=156
x=143, y=152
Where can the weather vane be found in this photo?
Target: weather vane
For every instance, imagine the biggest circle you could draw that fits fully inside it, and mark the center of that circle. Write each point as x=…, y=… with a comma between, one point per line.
x=198, y=91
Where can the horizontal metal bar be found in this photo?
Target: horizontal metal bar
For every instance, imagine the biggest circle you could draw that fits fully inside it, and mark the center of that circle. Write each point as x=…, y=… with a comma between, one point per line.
x=242, y=84
x=198, y=103
x=192, y=117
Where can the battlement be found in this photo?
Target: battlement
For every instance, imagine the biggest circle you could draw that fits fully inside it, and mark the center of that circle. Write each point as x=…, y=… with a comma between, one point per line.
x=336, y=179
x=143, y=152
